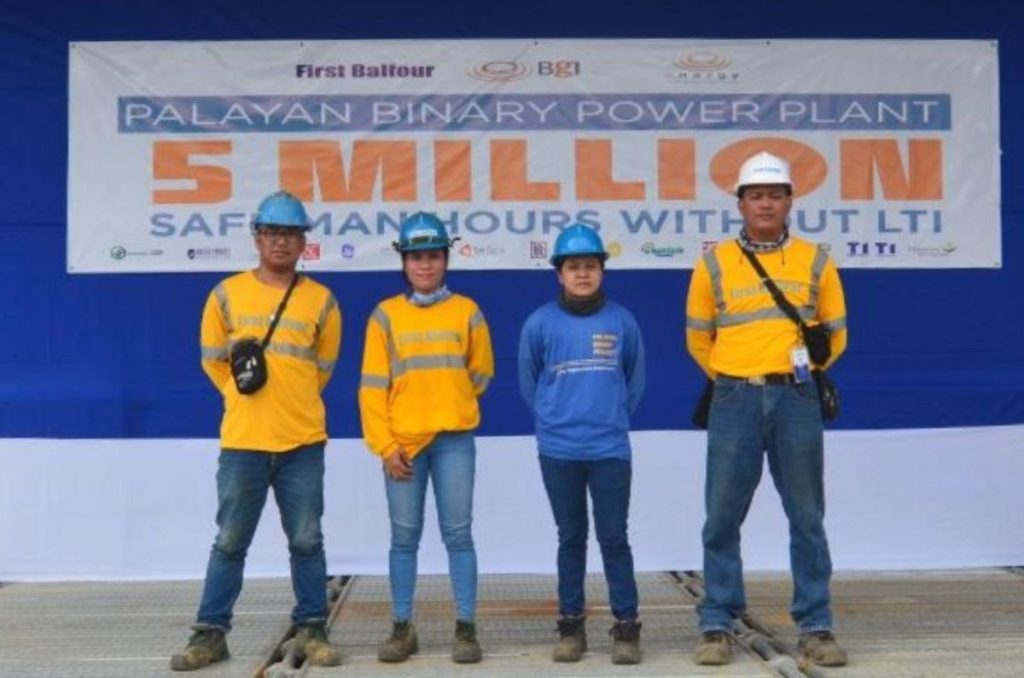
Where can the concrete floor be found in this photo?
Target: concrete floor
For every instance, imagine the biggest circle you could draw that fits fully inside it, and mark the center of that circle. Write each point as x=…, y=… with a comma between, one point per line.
x=932, y=624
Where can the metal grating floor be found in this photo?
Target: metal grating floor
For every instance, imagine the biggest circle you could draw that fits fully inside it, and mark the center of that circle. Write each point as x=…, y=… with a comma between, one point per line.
x=934, y=624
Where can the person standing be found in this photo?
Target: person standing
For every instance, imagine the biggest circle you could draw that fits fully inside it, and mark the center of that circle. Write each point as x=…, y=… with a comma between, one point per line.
x=427, y=361
x=582, y=374
x=272, y=436
x=765, y=402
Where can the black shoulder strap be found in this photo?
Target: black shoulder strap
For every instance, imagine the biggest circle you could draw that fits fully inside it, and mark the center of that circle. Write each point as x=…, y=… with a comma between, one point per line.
x=279, y=311
x=780, y=299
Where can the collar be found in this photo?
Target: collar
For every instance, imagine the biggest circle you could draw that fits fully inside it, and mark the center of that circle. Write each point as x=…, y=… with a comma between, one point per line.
x=419, y=299
x=757, y=246
x=582, y=306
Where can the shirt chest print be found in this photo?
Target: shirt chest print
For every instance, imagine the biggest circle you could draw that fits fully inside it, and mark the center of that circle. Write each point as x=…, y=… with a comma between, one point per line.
x=604, y=345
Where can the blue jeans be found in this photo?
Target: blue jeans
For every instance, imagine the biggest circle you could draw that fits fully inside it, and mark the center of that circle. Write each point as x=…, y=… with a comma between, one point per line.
x=243, y=478
x=609, y=480
x=449, y=461
x=747, y=421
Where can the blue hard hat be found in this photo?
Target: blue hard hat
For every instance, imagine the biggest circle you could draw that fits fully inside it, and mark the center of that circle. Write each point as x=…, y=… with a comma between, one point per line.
x=422, y=231
x=576, y=241
x=281, y=209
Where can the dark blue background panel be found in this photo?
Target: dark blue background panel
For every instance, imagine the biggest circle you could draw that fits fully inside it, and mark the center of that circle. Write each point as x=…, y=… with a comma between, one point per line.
x=117, y=355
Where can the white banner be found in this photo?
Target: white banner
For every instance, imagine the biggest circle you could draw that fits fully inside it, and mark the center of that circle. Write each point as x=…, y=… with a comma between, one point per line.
x=894, y=147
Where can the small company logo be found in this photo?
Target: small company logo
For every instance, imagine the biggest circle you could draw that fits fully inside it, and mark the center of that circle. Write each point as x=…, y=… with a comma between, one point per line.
x=614, y=249
x=499, y=71
x=312, y=252
x=364, y=71
x=702, y=67
x=510, y=71
x=538, y=249
x=562, y=68
x=469, y=250
x=652, y=250
x=856, y=248
x=117, y=253
x=707, y=245
x=933, y=251
x=348, y=251
x=208, y=253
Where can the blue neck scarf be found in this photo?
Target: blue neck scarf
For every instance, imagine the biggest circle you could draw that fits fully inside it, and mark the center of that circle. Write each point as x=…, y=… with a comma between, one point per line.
x=437, y=296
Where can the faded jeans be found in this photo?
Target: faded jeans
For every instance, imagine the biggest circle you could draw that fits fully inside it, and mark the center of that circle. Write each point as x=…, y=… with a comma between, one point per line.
x=243, y=478
x=449, y=463
x=746, y=422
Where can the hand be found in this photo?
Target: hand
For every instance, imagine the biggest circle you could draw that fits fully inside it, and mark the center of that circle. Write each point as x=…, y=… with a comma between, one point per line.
x=397, y=465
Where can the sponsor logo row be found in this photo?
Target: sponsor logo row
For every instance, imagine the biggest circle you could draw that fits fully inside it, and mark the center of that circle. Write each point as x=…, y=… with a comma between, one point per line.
x=540, y=249
x=694, y=66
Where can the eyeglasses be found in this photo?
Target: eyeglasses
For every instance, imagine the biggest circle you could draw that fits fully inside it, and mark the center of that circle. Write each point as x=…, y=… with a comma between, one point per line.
x=288, y=234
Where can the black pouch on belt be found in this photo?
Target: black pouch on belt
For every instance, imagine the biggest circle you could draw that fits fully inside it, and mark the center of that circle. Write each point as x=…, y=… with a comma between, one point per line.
x=818, y=340
x=247, y=360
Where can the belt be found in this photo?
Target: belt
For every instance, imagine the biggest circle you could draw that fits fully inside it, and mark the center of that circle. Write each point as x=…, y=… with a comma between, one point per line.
x=775, y=379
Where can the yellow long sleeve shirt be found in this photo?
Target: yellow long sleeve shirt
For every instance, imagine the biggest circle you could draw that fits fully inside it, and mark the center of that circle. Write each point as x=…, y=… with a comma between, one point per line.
x=288, y=411
x=733, y=325
x=423, y=370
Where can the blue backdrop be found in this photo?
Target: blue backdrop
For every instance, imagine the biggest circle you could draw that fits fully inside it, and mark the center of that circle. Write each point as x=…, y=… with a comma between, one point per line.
x=109, y=356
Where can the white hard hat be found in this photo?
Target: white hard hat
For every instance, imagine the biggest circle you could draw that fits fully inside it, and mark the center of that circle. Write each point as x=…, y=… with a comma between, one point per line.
x=763, y=169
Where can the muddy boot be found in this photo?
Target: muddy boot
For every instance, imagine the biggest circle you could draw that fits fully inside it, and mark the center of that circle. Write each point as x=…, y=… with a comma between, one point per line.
x=206, y=646
x=626, y=641
x=715, y=649
x=400, y=645
x=311, y=643
x=821, y=648
x=573, y=639
x=465, y=648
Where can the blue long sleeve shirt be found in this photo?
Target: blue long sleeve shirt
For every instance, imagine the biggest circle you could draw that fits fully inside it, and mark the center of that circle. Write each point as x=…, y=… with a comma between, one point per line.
x=582, y=377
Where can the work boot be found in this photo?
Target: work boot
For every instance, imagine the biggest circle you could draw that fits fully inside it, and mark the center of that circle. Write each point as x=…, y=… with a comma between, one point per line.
x=715, y=649
x=400, y=645
x=465, y=648
x=206, y=646
x=625, y=641
x=311, y=643
x=572, y=642
x=821, y=648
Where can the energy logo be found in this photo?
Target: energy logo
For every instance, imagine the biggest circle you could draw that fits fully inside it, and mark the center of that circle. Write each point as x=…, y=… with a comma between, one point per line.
x=703, y=62
x=704, y=67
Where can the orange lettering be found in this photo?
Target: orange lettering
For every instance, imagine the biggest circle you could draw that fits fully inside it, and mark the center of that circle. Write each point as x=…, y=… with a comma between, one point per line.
x=453, y=177
x=171, y=162
x=509, y=179
x=677, y=178
x=922, y=179
x=594, y=174
x=302, y=161
x=807, y=167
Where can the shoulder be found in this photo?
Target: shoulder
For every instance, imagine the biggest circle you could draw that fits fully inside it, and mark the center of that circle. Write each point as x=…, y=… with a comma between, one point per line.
x=314, y=288
x=236, y=281
x=621, y=311
x=541, y=314
x=461, y=301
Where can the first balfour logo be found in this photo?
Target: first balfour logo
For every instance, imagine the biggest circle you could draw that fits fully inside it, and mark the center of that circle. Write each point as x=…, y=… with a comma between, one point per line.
x=361, y=70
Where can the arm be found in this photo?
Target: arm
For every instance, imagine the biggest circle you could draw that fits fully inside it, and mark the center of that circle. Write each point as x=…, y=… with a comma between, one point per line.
x=213, y=342
x=634, y=363
x=531, y=362
x=832, y=310
x=480, y=361
x=700, y=318
x=328, y=343
x=374, y=387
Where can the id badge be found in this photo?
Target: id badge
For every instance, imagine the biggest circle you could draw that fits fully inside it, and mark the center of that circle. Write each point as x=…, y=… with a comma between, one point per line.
x=801, y=361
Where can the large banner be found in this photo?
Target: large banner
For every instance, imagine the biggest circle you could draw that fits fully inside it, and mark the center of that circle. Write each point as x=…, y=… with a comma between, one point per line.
x=894, y=147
